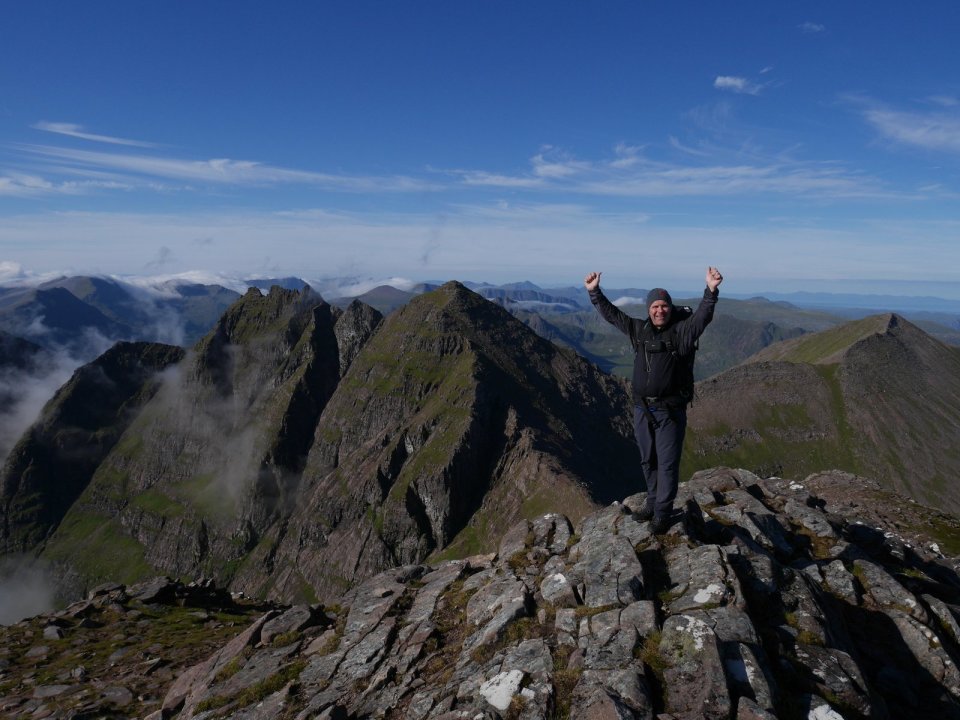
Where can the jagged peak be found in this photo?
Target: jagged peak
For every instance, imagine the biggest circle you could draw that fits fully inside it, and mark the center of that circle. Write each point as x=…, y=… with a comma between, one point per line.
x=828, y=347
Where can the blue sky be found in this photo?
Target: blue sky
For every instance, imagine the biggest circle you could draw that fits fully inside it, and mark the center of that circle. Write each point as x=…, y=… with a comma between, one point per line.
x=795, y=145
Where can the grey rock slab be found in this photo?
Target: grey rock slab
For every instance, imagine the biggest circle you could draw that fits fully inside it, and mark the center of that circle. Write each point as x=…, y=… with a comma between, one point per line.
x=606, y=643
x=811, y=519
x=838, y=674
x=947, y=620
x=840, y=581
x=435, y=583
x=558, y=591
x=602, y=522
x=118, y=695
x=886, y=591
x=493, y=596
x=362, y=658
x=566, y=621
x=52, y=632
x=295, y=619
x=695, y=680
x=748, y=709
x=532, y=657
x=608, y=568
x=636, y=532
x=746, y=502
x=258, y=667
x=749, y=673
x=509, y=607
x=925, y=646
x=43, y=692
x=699, y=577
x=731, y=624
x=594, y=699
x=156, y=590
x=515, y=540
x=500, y=690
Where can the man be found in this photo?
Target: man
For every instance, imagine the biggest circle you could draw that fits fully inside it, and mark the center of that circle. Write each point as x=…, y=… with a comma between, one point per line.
x=664, y=347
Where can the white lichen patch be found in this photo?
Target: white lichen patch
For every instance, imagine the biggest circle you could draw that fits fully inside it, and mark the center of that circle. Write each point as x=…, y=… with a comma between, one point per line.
x=500, y=689
x=711, y=593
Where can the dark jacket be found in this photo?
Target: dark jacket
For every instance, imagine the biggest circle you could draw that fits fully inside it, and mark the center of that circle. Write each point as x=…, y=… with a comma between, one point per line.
x=658, y=374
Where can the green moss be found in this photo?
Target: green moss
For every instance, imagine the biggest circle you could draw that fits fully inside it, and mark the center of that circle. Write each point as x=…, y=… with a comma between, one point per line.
x=130, y=445
x=158, y=503
x=99, y=549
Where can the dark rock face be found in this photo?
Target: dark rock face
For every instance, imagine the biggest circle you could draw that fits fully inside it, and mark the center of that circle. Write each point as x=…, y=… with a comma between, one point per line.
x=17, y=353
x=757, y=603
x=53, y=463
x=453, y=415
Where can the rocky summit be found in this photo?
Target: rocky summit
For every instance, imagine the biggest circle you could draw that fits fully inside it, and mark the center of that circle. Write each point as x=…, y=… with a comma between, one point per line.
x=763, y=600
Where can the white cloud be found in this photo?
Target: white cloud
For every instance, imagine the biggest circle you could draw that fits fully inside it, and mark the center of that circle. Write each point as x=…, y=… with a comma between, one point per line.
x=10, y=271
x=737, y=84
x=77, y=131
x=222, y=171
x=545, y=167
x=932, y=131
x=474, y=243
x=812, y=28
x=949, y=101
x=482, y=178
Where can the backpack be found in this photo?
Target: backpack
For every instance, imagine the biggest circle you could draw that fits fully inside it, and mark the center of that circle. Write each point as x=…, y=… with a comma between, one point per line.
x=685, y=363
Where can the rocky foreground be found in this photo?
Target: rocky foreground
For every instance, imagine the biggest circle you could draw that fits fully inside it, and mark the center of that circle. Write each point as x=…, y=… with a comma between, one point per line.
x=762, y=601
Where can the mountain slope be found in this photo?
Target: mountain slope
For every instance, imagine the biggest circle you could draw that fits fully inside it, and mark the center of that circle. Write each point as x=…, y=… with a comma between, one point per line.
x=214, y=459
x=53, y=462
x=877, y=396
x=297, y=449
x=452, y=421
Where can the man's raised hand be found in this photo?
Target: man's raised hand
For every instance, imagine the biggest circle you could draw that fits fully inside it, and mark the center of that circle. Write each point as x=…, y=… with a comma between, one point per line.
x=592, y=280
x=714, y=278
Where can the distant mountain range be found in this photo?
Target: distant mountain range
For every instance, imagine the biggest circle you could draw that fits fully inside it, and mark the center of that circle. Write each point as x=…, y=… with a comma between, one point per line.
x=299, y=447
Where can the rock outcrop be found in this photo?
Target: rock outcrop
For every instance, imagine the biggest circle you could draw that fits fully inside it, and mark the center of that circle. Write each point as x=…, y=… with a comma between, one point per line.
x=117, y=652
x=761, y=601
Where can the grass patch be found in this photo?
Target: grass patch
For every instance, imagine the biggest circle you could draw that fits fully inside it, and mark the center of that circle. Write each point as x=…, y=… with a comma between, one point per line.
x=258, y=692
x=450, y=618
x=649, y=653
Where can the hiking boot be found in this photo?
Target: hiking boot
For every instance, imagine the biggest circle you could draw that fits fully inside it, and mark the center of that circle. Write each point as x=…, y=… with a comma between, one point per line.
x=643, y=515
x=661, y=523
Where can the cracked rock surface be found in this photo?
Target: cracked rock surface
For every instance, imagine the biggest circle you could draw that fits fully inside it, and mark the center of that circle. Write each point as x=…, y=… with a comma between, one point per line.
x=761, y=601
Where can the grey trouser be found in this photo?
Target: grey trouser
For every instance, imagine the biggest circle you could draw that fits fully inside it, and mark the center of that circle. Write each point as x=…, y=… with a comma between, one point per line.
x=660, y=450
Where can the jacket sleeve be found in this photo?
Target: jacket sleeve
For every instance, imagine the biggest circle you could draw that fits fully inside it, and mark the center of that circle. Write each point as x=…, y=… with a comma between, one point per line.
x=615, y=316
x=693, y=327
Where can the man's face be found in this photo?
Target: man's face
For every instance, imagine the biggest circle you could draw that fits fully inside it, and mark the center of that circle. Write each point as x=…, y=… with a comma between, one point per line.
x=659, y=313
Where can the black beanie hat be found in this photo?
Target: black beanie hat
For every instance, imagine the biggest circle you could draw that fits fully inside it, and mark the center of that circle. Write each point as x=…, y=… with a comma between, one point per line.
x=659, y=294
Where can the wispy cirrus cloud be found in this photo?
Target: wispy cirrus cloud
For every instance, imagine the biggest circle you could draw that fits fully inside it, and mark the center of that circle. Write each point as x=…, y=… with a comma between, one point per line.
x=77, y=131
x=938, y=131
x=27, y=185
x=137, y=168
x=639, y=176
